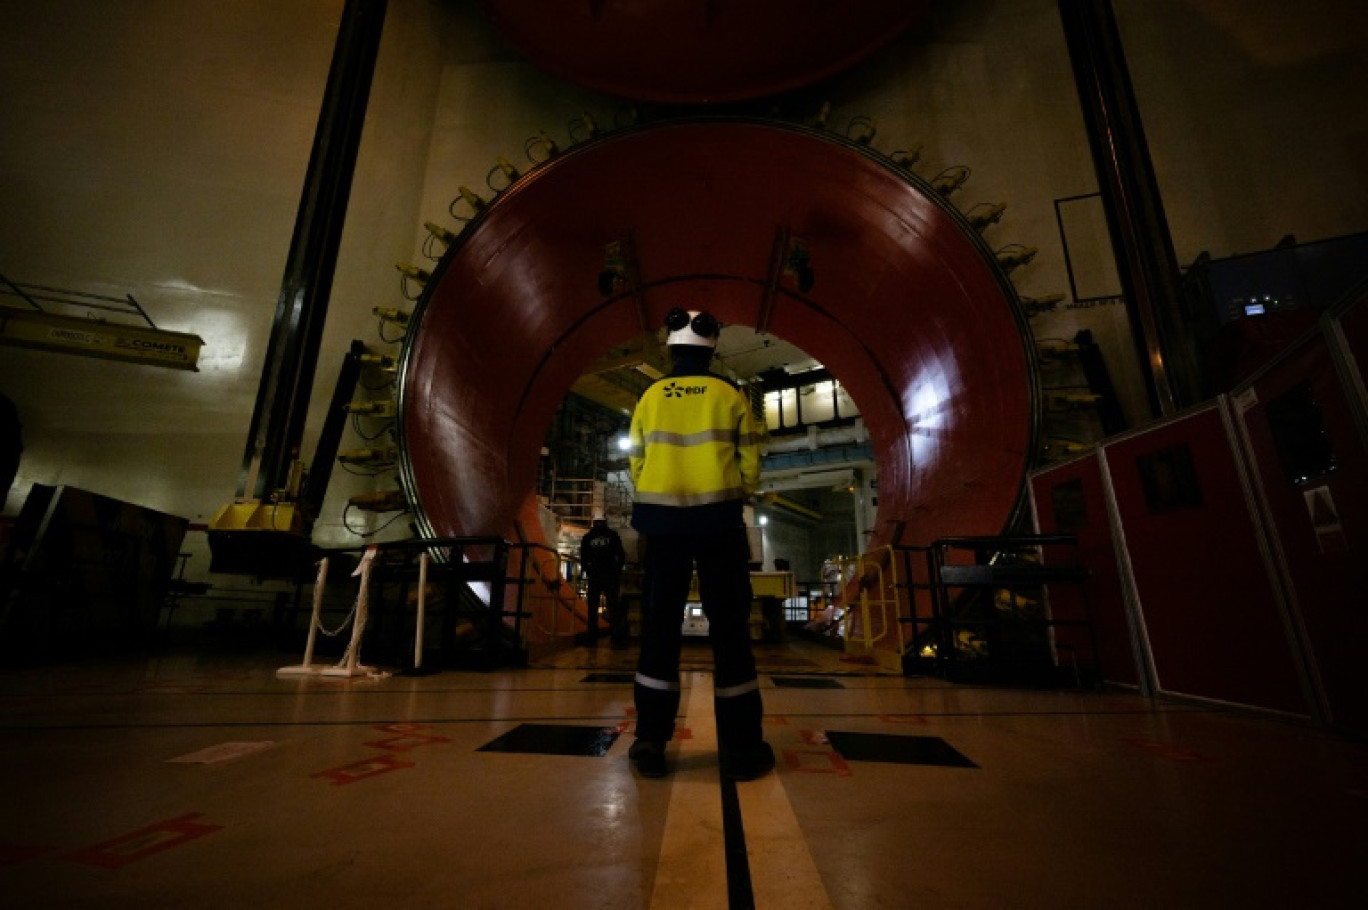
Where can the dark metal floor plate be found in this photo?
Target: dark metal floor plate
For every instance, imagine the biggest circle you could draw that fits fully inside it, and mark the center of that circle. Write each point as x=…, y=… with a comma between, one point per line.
x=897, y=749
x=554, y=739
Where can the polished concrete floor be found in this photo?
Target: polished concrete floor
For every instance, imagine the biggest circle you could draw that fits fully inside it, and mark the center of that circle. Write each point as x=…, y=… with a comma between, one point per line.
x=202, y=780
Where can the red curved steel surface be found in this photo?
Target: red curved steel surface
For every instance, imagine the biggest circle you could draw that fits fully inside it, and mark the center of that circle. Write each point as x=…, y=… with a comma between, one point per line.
x=699, y=52
x=908, y=311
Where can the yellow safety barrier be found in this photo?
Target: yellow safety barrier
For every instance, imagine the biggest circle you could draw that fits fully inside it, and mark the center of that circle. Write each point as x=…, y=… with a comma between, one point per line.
x=869, y=588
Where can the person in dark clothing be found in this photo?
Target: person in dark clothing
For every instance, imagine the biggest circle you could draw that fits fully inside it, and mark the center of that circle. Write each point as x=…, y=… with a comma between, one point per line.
x=602, y=557
x=695, y=459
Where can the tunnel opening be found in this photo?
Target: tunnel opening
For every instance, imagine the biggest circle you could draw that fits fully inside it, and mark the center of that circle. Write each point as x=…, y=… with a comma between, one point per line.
x=819, y=483
x=904, y=302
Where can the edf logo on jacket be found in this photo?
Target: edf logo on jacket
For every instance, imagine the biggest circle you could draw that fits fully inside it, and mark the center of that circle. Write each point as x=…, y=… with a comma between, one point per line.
x=675, y=390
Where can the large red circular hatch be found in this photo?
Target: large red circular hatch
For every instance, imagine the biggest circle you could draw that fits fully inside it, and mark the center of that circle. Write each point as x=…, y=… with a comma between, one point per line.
x=908, y=310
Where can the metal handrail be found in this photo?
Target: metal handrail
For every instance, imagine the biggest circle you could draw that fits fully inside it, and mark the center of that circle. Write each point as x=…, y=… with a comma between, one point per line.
x=523, y=578
x=864, y=565
x=987, y=573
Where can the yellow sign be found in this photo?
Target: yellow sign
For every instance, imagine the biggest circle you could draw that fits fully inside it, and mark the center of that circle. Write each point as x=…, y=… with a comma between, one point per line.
x=92, y=338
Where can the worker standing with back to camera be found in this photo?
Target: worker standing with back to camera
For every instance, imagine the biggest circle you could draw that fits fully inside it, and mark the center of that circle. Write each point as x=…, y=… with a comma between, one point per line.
x=695, y=459
x=602, y=557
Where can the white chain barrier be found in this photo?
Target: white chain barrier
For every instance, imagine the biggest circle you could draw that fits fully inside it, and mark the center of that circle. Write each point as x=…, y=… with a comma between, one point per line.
x=350, y=664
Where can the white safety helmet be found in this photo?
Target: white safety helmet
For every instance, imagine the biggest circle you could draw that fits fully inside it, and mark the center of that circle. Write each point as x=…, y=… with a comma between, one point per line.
x=693, y=327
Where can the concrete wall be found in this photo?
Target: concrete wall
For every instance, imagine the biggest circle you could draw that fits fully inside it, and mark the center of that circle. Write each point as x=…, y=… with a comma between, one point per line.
x=1254, y=116
x=158, y=150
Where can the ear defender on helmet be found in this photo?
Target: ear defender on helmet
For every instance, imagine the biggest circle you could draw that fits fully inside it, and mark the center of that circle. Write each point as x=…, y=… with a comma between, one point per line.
x=692, y=327
x=676, y=319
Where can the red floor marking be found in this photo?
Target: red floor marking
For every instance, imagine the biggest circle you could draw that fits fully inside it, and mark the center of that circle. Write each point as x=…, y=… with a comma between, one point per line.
x=775, y=720
x=350, y=774
x=813, y=737
x=807, y=762
x=406, y=743
x=402, y=727
x=13, y=854
x=903, y=718
x=144, y=842
x=1165, y=750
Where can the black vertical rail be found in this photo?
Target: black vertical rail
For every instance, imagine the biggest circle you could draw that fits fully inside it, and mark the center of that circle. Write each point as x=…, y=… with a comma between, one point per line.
x=1145, y=260
x=277, y=427
x=325, y=455
x=499, y=587
x=940, y=611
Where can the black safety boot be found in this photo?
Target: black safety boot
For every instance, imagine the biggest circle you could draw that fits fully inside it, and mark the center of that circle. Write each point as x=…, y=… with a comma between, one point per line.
x=649, y=758
x=747, y=762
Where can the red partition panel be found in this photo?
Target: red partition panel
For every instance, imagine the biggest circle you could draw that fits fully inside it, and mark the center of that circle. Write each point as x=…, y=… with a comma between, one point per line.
x=1212, y=620
x=1312, y=471
x=1070, y=498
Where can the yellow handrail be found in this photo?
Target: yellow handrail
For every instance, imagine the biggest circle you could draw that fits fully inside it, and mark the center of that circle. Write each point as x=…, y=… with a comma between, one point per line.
x=865, y=574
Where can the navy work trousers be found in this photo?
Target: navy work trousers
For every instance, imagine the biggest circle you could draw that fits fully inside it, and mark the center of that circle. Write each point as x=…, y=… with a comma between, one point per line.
x=723, y=564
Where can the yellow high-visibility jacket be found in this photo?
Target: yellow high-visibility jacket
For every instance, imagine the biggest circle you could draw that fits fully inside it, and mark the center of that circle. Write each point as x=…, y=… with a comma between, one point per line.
x=695, y=453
